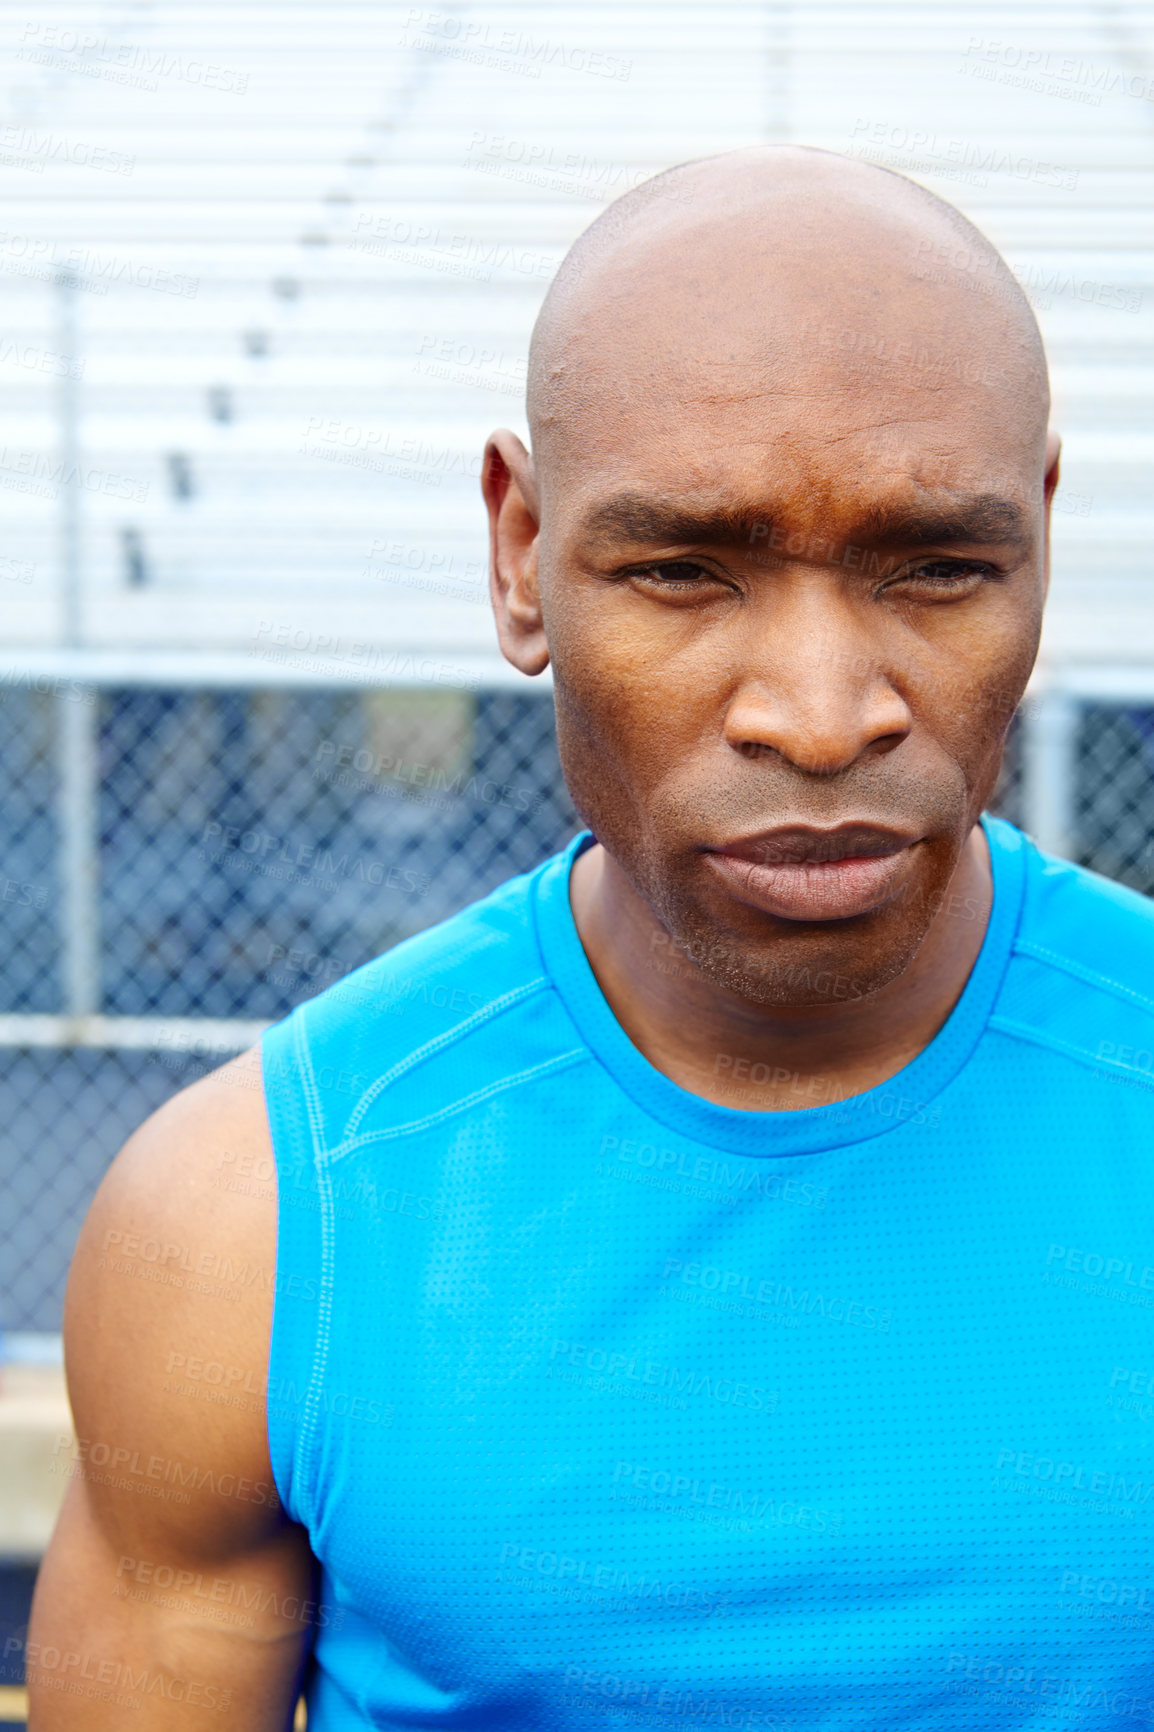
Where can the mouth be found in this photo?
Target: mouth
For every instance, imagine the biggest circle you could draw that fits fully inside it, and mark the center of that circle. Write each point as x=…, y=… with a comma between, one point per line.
x=801, y=873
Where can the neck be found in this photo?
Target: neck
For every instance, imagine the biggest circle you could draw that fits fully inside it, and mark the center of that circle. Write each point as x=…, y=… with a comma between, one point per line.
x=773, y=1058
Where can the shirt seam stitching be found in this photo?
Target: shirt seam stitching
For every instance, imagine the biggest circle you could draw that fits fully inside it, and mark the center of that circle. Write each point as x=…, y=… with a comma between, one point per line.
x=461, y=1031
x=309, y=1441
x=560, y=1061
x=1067, y=965
x=1038, y=1037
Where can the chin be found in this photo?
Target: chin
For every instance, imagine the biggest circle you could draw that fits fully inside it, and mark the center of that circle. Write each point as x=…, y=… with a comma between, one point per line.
x=802, y=985
x=803, y=971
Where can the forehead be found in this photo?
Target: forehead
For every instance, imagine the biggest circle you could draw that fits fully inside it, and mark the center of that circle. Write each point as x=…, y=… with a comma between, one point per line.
x=828, y=449
x=829, y=370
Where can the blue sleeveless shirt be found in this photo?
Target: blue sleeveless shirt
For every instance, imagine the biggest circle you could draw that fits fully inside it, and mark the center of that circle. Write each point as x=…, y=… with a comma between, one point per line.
x=605, y=1405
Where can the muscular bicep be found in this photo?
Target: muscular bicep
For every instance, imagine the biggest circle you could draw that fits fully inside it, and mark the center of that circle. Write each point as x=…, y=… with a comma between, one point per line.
x=174, y=1582
x=154, y=1620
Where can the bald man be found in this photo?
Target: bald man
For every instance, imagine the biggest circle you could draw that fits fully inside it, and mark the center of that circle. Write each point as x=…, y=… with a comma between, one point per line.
x=711, y=1280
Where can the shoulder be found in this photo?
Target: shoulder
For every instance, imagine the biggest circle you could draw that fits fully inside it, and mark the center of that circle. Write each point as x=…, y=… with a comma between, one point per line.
x=173, y=1275
x=168, y=1249
x=459, y=1006
x=1083, y=961
x=1088, y=928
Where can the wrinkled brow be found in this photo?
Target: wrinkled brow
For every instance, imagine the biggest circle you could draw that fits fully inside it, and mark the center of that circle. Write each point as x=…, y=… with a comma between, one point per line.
x=976, y=517
x=636, y=517
x=985, y=517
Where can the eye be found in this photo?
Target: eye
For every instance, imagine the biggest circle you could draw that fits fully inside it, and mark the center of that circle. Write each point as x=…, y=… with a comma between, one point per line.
x=674, y=574
x=947, y=575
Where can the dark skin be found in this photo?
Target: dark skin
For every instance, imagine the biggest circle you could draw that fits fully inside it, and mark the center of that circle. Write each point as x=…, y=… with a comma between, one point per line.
x=849, y=626
x=839, y=633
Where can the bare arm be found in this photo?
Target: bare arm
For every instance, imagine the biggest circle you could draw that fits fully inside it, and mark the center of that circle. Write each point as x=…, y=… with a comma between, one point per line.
x=174, y=1585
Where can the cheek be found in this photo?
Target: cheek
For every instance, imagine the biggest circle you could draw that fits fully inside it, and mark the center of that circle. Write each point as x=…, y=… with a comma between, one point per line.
x=629, y=747
x=610, y=729
x=970, y=730
x=639, y=730
x=619, y=689
x=969, y=689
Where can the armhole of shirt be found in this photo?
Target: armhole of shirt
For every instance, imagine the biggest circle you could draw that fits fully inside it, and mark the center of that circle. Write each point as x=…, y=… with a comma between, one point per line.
x=296, y=1344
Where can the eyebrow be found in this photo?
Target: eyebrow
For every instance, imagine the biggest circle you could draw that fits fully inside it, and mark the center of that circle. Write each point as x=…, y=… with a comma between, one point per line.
x=966, y=517
x=978, y=517
x=635, y=517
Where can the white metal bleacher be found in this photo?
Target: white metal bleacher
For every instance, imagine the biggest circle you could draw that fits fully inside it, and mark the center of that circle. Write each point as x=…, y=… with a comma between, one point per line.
x=310, y=241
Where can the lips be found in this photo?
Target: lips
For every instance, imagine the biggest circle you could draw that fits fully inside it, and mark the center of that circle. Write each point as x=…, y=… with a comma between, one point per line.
x=801, y=873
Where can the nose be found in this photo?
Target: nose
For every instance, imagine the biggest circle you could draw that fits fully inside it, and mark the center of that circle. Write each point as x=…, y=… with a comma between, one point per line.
x=814, y=688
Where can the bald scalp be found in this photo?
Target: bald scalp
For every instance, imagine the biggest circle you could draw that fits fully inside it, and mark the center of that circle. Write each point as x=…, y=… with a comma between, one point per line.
x=781, y=268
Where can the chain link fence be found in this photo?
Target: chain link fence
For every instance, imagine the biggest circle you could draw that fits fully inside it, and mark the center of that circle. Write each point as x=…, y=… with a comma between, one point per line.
x=252, y=847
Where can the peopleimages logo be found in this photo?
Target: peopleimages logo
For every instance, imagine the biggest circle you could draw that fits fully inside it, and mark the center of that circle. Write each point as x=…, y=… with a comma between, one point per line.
x=1031, y=65
x=227, y=1591
x=334, y=760
x=1075, y=1477
x=966, y=153
x=1075, y=1261
x=113, y=1681
x=995, y=1681
x=604, y=1578
x=34, y=149
x=739, y=1284
x=124, y=62
x=724, y=1390
x=657, y=1483
x=487, y=44
x=37, y=472
x=93, y=271
x=1105, y=1591
x=271, y=852
x=736, y=1177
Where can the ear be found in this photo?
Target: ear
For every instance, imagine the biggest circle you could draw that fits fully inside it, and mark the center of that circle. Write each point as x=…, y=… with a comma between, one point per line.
x=1053, y=458
x=510, y=490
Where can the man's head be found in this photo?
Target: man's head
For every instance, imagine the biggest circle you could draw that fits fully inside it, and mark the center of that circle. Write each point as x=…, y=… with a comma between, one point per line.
x=783, y=538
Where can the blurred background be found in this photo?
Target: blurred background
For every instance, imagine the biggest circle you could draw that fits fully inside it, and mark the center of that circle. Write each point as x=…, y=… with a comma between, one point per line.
x=268, y=270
